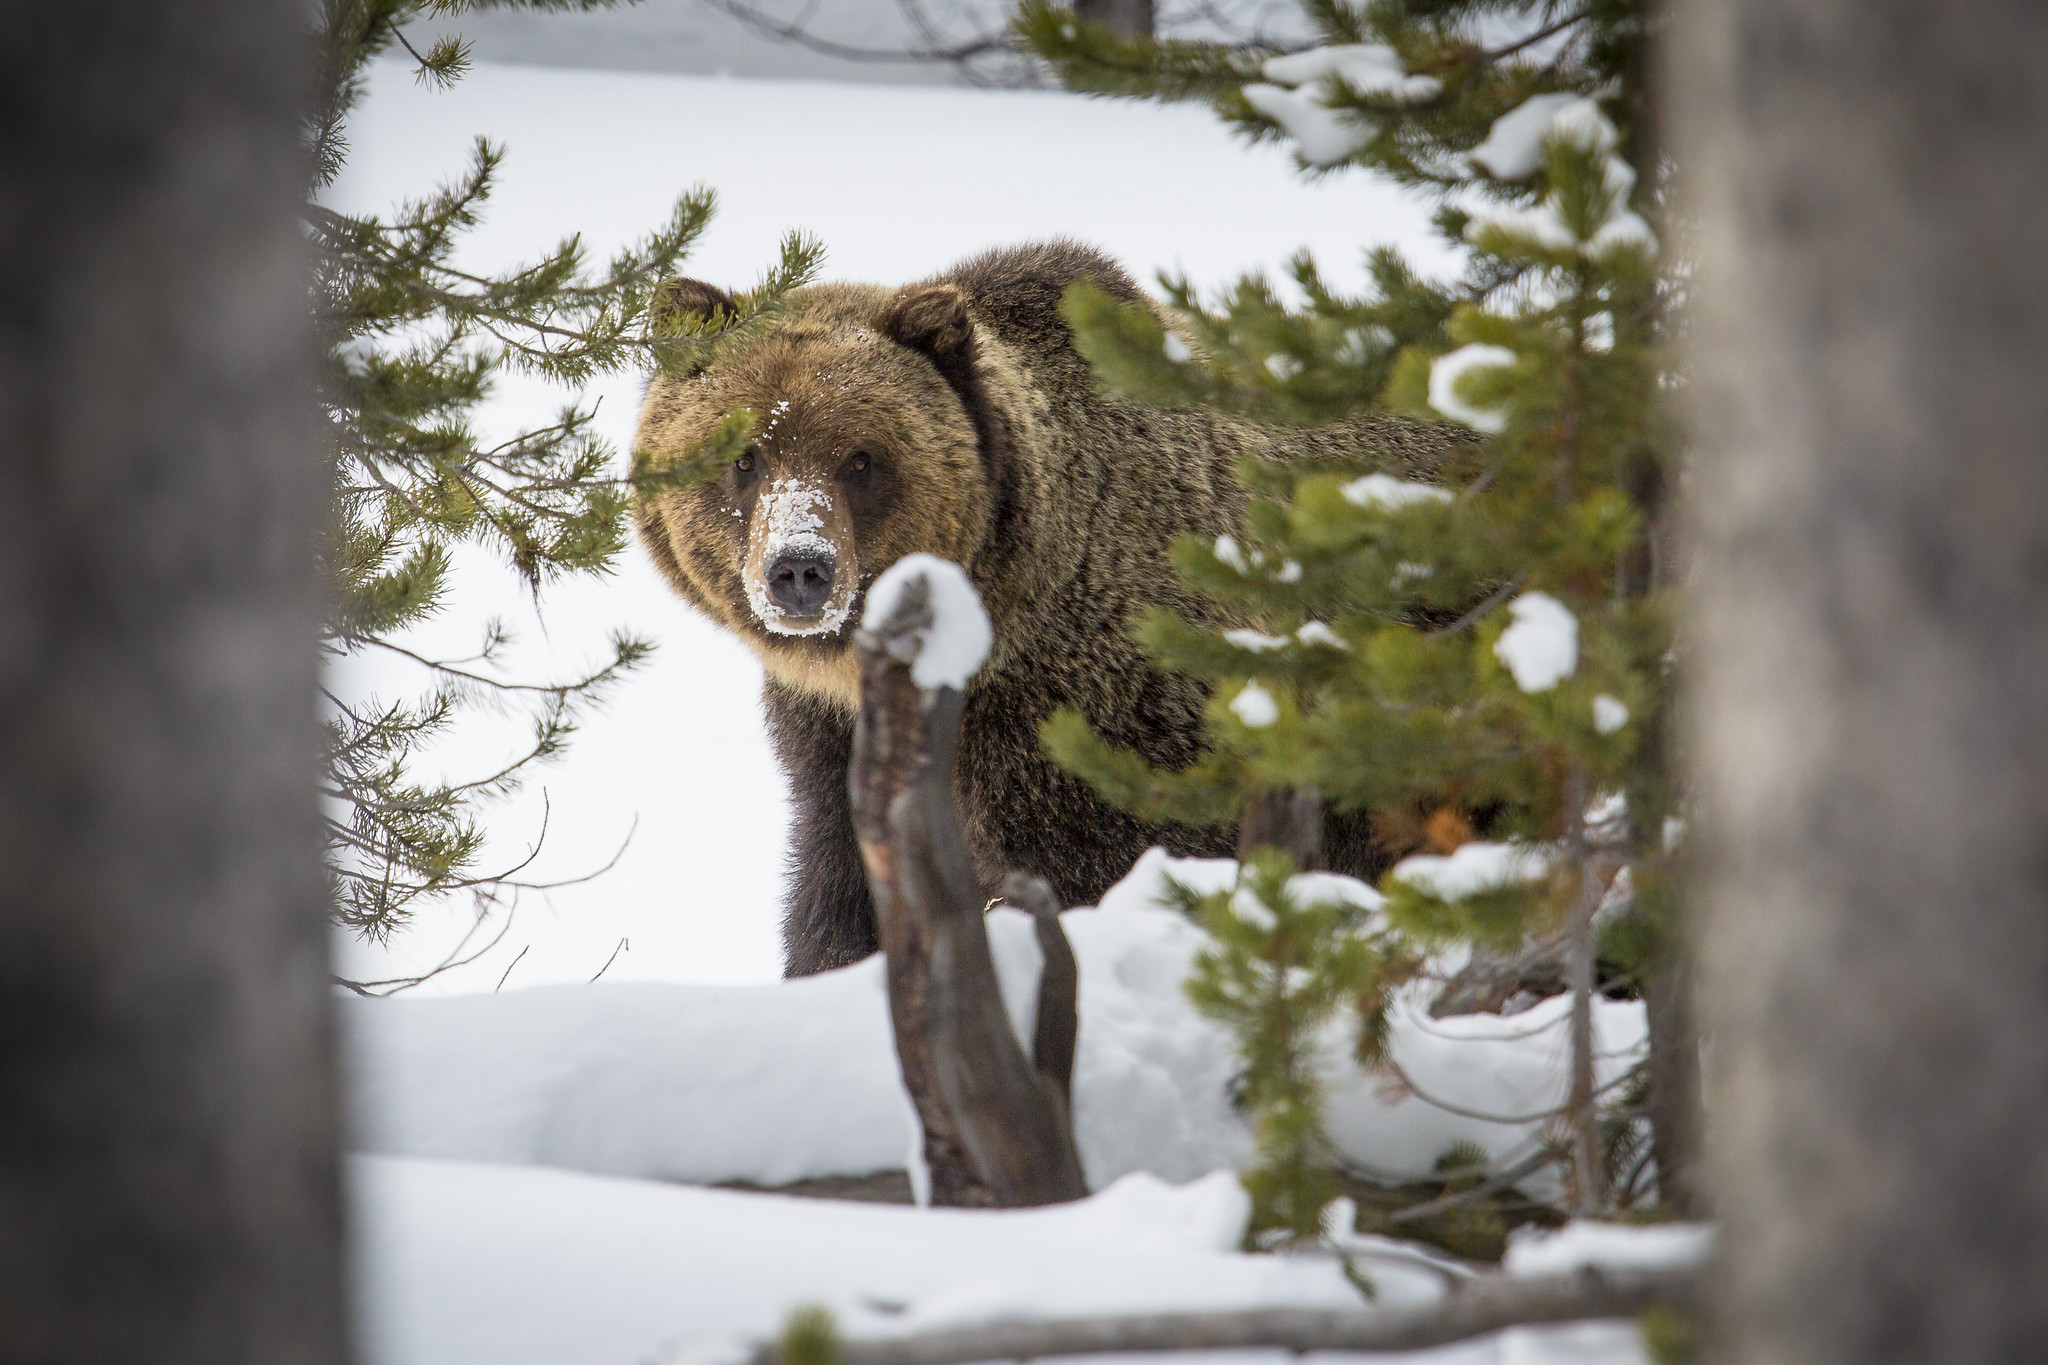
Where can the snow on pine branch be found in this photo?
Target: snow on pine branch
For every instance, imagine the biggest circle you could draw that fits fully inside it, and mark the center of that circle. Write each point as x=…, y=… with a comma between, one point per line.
x=1518, y=145
x=1541, y=648
x=1447, y=374
x=1302, y=83
x=1472, y=870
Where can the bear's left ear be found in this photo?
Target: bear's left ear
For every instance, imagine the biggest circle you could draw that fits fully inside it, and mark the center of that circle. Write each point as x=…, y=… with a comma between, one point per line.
x=686, y=300
x=933, y=319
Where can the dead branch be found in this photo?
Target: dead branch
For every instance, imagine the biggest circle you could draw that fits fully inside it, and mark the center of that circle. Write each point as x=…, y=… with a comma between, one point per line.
x=1475, y=1309
x=993, y=1133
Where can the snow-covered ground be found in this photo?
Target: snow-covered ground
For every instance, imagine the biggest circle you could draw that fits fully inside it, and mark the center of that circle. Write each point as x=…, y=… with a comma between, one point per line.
x=898, y=182
x=466, y=1260
x=472, y=1264
x=796, y=1080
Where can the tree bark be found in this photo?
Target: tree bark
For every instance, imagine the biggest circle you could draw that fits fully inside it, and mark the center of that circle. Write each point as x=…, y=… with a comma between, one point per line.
x=1871, y=654
x=1582, y=1102
x=1057, y=1030
x=994, y=1133
x=1674, y=1104
x=168, y=1173
x=1287, y=818
x=1127, y=18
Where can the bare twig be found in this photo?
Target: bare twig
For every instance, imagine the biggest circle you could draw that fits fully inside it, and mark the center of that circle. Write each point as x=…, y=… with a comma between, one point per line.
x=454, y=959
x=609, y=961
x=797, y=31
x=1493, y=599
x=508, y=970
x=1477, y=1308
x=1487, y=1188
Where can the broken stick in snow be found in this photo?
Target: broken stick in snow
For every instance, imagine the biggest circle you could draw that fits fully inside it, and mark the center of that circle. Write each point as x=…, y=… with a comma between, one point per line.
x=993, y=1133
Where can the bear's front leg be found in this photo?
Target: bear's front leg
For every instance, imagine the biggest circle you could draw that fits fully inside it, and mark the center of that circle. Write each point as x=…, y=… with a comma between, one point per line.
x=828, y=919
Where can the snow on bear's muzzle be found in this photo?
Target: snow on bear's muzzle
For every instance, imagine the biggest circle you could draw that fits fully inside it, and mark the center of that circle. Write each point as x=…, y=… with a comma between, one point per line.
x=800, y=572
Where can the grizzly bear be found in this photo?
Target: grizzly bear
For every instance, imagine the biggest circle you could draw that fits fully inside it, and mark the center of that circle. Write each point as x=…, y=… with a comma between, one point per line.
x=956, y=417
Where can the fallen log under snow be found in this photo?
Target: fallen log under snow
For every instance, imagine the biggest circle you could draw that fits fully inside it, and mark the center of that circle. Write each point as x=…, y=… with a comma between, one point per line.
x=1475, y=1308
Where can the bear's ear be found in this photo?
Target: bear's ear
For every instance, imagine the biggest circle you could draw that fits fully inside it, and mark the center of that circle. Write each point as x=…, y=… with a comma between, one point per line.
x=681, y=300
x=933, y=319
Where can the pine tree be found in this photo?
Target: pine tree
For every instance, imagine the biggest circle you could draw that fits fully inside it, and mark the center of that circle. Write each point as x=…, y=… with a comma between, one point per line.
x=414, y=344
x=1481, y=648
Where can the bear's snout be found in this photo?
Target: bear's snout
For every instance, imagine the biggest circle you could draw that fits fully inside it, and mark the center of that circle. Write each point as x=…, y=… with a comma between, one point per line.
x=801, y=582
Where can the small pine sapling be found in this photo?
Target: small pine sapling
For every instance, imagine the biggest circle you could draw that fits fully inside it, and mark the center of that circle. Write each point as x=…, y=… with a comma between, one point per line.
x=1282, y=963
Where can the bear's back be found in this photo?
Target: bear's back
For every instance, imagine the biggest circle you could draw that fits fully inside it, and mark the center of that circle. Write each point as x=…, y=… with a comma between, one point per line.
x=1016, y=291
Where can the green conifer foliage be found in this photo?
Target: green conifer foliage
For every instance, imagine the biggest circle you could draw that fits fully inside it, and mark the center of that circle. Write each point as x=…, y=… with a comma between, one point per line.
x=413, y=345
x=1488, y=643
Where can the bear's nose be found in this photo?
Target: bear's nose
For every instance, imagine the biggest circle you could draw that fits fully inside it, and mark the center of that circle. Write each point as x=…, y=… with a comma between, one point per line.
x=800, y=583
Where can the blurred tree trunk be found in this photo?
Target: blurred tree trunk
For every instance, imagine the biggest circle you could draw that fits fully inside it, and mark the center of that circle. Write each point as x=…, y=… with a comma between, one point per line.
x=1871, y=507
x=1130, y=18
x=168, y=1184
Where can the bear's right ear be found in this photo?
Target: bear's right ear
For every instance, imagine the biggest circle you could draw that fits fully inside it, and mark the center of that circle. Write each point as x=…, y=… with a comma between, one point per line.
x=932, y=319
x=681, y=300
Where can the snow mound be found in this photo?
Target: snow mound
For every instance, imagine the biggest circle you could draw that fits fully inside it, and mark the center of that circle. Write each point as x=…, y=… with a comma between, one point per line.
x=1542, y=647
x=946, y=652
x=469, y=1264
x=798, y=1080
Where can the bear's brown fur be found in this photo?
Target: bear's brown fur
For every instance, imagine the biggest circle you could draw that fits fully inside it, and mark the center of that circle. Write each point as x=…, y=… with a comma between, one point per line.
x=956, y=417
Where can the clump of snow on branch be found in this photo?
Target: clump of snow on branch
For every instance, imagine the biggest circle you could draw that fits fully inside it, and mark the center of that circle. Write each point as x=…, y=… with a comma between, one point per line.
x=1326, y=136
x=1541, y=648
x=1228, y=551
x=946, y=652
x=1513, y=149
x=1368, y=68
x=1474, y=869
x=1517, y=146
x=1609, y=714
x=1386, y=491
x=1316, y=633
x=1255, y=706
x=1258, y=642
x=1585, y=1245
x=1444, y=376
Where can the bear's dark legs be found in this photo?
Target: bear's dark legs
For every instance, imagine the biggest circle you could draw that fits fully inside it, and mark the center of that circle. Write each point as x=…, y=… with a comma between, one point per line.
x=1348, y=846
x=827, y=918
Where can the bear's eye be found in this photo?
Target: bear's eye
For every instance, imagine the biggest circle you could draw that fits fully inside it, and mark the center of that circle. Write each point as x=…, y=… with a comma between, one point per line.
x=745, y=463
x=859, y=463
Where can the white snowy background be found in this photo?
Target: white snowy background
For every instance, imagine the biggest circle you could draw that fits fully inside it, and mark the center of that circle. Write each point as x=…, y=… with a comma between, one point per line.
x=532, y=1148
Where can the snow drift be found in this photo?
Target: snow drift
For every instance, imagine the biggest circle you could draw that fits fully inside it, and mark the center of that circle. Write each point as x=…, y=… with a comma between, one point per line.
x=772, y=1084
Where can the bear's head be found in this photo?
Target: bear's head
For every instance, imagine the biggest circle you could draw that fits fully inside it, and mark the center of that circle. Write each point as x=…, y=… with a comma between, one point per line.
x=868, y=444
